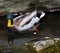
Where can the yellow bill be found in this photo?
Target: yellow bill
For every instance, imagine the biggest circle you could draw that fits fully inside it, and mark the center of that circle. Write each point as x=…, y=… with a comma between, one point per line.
x=9, y=23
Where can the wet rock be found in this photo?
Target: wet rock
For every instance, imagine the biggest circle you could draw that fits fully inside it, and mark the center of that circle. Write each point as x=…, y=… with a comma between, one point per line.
x=2, y=0
x=39, y=45
x=20, y=5
x=9, y=6
x=46, y=37
x=56, y=39
x=3, y=43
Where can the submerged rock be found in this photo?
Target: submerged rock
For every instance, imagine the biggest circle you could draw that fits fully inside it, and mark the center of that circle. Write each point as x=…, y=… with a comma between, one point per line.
x=39, y=45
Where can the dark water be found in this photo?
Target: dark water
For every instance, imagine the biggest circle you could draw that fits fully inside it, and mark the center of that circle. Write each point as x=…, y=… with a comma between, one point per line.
x=49, y=26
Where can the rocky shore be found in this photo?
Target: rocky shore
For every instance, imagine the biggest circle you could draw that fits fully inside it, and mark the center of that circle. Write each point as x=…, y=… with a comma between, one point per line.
x=14, y=6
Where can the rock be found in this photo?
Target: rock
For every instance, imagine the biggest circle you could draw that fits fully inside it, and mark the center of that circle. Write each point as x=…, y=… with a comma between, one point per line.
x=56, y=39
x=2, y=0
x=20, y=5
x=46, y=37
x=10, y=6
x=3, y=43
x=39, y=45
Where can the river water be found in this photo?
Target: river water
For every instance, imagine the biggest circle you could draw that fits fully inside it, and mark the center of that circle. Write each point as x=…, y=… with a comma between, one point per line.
x=49, y=27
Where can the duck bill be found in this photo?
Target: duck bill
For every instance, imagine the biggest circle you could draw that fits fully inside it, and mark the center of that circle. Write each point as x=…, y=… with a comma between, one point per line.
x=9, y=23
